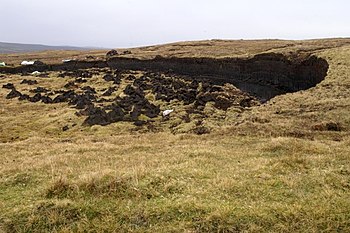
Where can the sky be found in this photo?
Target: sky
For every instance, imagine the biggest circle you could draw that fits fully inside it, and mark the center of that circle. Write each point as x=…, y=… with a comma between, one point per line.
x=132, y=23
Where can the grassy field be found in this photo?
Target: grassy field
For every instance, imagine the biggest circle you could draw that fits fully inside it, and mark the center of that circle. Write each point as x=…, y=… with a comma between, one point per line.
x=208, y=48
x=283, y=166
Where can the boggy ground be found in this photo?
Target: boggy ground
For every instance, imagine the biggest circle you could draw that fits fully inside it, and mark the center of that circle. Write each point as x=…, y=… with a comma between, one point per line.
x=281, y=166
x=105, y=96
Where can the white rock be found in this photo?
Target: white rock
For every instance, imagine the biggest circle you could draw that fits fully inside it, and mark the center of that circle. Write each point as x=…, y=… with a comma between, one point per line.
x=27, y=63
x=67, y=60
x=36, y=73
x=167, y=112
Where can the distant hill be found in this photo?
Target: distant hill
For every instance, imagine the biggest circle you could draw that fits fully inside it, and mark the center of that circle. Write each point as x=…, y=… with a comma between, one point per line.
x=23, y=48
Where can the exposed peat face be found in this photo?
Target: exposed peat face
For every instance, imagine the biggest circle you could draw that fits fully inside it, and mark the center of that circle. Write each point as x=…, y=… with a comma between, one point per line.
x=263, y=76
x=106, y=96
x=191, y=83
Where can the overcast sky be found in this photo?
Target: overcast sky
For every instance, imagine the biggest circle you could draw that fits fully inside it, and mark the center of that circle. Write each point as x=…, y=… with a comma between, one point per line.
x=130, y=23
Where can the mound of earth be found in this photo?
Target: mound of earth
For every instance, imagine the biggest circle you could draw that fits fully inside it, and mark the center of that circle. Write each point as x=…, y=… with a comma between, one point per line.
x=133, y=96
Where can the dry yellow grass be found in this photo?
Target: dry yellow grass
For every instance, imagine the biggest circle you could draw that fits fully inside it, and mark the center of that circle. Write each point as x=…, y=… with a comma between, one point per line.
x=272, y=168
x=207, y=48
x=162, y=182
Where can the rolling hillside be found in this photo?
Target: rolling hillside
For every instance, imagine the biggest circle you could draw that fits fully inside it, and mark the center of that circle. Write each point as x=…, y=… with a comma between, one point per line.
x=85, y=146
x=24, y=48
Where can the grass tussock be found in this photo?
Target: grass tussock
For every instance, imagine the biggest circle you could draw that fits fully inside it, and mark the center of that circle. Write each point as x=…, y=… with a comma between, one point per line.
x=51, y=216
x=117, y=187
